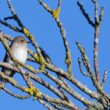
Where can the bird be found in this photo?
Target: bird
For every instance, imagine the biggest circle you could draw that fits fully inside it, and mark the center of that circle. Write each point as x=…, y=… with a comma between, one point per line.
x=18, y=48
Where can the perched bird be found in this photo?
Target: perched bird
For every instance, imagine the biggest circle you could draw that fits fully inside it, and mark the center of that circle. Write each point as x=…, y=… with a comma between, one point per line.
x=19, y=50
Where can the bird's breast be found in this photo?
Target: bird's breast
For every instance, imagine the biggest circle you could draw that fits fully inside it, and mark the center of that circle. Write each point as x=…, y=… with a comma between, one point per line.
x=20, y=53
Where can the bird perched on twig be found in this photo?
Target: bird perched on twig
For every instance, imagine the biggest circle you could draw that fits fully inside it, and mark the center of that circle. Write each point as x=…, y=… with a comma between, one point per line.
x=19, y=50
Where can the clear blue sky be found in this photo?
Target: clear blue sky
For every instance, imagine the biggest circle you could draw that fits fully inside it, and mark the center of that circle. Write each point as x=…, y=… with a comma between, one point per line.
x=43, y=27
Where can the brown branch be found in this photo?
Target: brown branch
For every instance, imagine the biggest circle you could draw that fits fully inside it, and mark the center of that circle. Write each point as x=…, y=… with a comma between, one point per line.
x=96, y=40
x=101, y=14
x=33, y=77
x=14, y=14
x=104, y=78
x=80, y=67
x=12, y=82
x=96, y=26
x=87, y=65
x=98, y=20
x=73, y=80
x=15, y=95
x=71, y=91
x=55, y=14
x=10, y=26
x=95, y=82
x=33, y=92
x=10, y=38
x=45, y=104
x=85, y=14
x=8, y=18
x=65, y=104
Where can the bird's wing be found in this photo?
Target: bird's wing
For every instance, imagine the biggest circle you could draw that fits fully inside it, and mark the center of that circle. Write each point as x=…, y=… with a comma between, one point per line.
x=8, y=72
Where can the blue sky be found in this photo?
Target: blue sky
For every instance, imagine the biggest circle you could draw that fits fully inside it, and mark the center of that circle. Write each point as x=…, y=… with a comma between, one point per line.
x=43, y=27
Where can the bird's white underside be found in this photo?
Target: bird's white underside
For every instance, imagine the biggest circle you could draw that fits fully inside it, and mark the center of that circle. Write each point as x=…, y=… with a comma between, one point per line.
x=20, y=54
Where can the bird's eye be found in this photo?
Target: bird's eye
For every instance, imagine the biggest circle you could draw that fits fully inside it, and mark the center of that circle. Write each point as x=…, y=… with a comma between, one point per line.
x=21, y=41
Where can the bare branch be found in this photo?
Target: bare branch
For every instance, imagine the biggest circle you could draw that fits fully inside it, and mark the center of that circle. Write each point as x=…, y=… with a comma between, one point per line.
x=55, y=14
x=101, y=14
x=87, y=65
x=85, y=14
x=33, y=77
x=104, y=78
x=10, y=26
x=96, y=11
x=15, y=95
x=8, y=18
x=14, y=14
x=80, y=67
x=45, y=104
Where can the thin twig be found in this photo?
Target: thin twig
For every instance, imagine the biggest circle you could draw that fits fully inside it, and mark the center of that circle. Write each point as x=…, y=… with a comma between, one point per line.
x=10, y=26
x=45, y=104
x=104, y=78
x=80, y=67
x=101, y=14
x=8, y=18
x=15, y=95
x=14, y=13
x=85, y=14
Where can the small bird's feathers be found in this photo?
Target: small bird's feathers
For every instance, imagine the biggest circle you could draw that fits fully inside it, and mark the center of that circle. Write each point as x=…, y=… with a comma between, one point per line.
x=19, y=50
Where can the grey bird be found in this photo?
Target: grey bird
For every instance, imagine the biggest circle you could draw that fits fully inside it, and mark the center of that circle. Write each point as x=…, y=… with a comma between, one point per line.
x=19, y=50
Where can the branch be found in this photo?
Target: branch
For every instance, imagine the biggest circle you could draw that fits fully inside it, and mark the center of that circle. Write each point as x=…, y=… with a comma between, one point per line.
x=96, y=26
x=8, y=18
x=87, y=65
x=10, y=26
x=59, y=102
x=101, y=14
x=72, y=80
x=14, y=13
x=15, y=95
x=80, y=67
x=96, y=40
x=45, y=104
x=96, y=11
x=70, y=91
x=29, y=75
x=55, y=15
x=104, y=78
x=85, y=14
x=33, y=77
x=95, y=82
x=98, y=20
